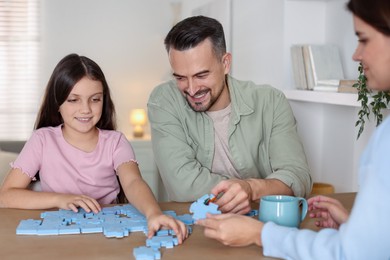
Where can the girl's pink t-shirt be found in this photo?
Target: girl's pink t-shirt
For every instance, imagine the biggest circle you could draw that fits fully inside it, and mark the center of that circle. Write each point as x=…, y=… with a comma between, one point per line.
x=66, y=169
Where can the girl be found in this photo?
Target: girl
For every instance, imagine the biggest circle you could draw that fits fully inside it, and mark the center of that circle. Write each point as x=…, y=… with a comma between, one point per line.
x=365, y=233
x=78, y=153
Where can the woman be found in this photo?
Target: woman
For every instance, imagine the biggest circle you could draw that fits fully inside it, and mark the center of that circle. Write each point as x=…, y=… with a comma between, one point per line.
x=365, y=234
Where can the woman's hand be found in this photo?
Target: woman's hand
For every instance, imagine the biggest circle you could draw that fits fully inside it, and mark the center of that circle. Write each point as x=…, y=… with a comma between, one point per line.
x=156, y=222
x=330, y=212
x=232, y=229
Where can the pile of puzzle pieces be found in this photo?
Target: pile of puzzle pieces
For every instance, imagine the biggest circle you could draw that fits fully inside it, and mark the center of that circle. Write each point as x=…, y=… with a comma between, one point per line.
x=199, y=209
x=117, y=221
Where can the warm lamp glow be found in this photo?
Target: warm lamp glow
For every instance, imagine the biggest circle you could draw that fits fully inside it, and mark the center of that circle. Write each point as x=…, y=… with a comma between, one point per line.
x=138, y=120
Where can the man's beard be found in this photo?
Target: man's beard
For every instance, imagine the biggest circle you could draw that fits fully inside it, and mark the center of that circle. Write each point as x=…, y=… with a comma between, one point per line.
x=205, y=108
x=198, y=106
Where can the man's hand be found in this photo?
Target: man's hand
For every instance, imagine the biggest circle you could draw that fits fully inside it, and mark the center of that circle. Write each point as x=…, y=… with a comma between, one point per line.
x=236, y=198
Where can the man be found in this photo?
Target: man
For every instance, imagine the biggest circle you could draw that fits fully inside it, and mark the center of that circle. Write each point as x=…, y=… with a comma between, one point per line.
x=213, y=133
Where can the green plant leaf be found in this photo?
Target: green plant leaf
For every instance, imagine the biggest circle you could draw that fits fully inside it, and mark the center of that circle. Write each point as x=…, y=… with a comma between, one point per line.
x=380, y=100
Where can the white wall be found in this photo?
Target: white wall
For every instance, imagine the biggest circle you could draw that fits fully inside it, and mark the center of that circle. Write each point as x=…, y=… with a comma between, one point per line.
x=125, y=37
x=339, y=30
x=258, y=41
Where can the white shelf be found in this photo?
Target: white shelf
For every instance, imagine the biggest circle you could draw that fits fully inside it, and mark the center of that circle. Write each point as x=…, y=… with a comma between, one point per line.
x=332, y=98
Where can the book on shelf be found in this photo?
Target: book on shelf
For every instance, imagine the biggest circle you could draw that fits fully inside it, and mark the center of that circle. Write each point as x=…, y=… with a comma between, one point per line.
x=321, y=67
x=298, y=65
x=326, y=88
x=330, y=85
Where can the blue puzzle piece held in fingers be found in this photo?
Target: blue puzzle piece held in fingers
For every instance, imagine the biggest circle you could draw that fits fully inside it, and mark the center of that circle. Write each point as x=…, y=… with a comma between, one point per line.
x=200, y=209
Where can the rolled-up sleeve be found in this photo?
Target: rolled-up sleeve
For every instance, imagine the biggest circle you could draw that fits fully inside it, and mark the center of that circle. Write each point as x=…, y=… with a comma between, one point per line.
x=286, y=152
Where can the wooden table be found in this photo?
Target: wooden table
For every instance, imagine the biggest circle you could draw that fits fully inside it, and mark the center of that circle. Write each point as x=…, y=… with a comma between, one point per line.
x=97, y=246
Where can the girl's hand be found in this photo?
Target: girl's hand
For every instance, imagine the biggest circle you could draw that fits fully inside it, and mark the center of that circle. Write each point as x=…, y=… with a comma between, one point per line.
x=156, y=222
x=232, y=229
x=73, y=202
x=330, y=212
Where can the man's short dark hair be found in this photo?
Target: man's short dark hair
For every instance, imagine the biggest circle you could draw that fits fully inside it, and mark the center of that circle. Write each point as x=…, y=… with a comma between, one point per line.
x=193, y=30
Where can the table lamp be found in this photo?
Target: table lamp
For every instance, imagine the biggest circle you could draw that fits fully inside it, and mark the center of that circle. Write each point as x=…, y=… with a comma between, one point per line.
x=138, y=120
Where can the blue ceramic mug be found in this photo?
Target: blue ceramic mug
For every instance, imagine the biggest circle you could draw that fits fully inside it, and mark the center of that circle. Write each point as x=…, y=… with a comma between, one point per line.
x=283, y=210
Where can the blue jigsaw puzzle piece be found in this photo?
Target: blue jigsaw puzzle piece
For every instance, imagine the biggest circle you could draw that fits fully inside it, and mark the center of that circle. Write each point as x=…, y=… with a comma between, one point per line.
x=107, y=211
x=88, y=228
x=28, y=227
x=146, y=253
x=200, y=209
x=162, y=241
x=69, y=230
x=186, y=219
x=252, y=213
x=48, y=229
x=117, y=231
x=164, y=232
x=135, y=225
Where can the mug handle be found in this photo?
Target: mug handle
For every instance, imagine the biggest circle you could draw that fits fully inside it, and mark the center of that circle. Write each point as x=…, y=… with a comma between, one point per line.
x=304, y=208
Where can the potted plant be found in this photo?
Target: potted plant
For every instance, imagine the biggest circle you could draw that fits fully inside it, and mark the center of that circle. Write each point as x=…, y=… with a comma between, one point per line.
x=370, y=102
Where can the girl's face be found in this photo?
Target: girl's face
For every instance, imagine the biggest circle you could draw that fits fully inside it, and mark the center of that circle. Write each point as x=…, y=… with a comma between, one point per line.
x=83, y=108
x=373, y=51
